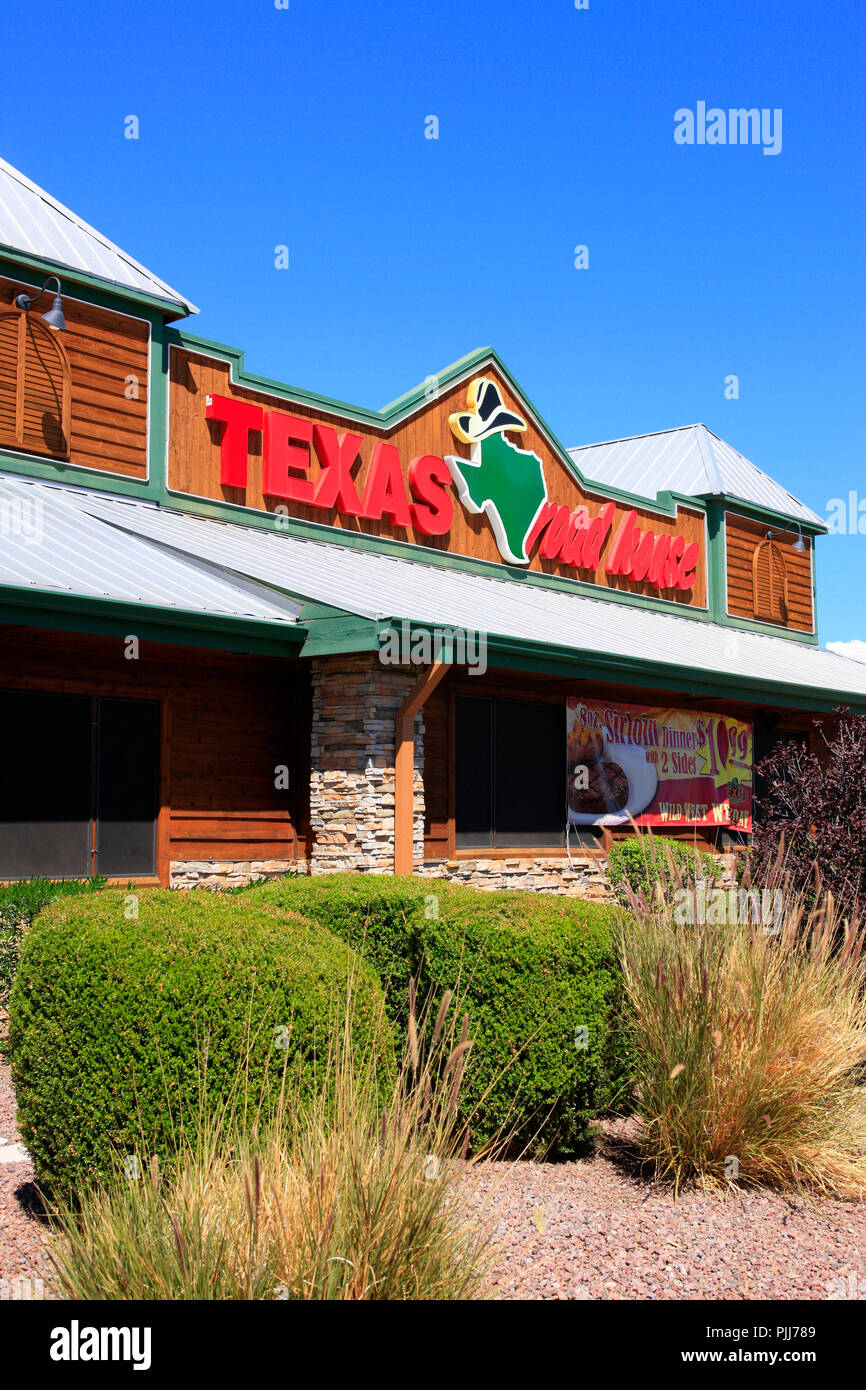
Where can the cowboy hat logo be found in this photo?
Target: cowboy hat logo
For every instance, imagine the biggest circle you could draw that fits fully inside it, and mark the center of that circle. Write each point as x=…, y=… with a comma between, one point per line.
x=507, y=484
x=486, y=415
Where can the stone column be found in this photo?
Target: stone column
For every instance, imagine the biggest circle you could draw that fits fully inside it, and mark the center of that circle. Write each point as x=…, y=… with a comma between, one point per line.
x=355, y=700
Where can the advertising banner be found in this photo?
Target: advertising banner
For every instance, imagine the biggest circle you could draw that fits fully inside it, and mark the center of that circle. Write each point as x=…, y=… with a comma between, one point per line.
x=670, y=767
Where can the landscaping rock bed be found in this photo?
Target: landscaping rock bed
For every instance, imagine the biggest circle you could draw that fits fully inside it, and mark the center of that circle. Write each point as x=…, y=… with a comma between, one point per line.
x=594, y=1230
x=585, y=1230
x=24, y=1258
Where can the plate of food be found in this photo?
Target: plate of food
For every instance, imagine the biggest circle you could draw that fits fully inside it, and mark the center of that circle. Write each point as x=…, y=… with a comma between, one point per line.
x=607, y=782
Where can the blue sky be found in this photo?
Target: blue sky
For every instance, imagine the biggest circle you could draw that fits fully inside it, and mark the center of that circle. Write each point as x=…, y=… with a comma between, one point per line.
x=305, y=127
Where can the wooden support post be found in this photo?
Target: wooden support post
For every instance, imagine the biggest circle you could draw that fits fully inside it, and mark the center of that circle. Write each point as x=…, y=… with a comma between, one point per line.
x=404, y=765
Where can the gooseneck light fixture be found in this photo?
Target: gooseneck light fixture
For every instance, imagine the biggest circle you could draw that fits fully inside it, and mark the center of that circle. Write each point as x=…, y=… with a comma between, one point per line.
x=54, y=318
x=799, y=544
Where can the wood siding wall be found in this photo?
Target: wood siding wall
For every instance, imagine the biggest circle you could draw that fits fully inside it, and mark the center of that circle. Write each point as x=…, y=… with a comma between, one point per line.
x=107, y=431
x=228, y=722
x=742, y=538
x=194, y=468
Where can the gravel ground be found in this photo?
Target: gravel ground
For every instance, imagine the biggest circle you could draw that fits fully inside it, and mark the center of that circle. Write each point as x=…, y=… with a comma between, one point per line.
x=23, y=1256
x=593, y=1230
x=584, y=1230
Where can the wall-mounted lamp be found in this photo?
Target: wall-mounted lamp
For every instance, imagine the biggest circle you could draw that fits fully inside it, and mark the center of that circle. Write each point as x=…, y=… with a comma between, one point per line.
x=800, y=544
x=54, y=318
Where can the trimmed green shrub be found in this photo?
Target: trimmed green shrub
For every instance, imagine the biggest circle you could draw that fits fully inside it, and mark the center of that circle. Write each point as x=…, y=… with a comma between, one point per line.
x=20, y=903
x=122, y=1029
x=531, y=970
x=538, y=978
x=641, y=861
x=378, y=915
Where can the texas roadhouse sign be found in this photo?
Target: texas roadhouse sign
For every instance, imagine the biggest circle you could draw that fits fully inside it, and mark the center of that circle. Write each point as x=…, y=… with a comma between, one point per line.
x=498, y=479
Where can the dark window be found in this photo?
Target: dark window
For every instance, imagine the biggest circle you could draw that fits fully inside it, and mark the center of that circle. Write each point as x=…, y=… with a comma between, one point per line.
x=126, y=795
x=510, y=773
x=45, y=785
x=474, y=772
x=78, y=786
x=767, y=739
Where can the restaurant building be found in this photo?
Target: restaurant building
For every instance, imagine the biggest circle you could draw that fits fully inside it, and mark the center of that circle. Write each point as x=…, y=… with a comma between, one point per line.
x=248, y=629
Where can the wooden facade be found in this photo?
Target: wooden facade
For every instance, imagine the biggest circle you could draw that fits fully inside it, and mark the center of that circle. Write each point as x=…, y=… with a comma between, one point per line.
x=80, y=396
x=767, y=579
x=228, y=723
x=194, y=470
x=234, y=726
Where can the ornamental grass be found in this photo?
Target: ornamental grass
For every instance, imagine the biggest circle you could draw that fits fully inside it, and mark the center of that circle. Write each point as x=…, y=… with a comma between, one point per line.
x=748, y=1039
x=339, y=1197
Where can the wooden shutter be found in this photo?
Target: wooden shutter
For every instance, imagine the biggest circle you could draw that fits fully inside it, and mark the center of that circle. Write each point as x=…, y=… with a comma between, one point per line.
x=8, y=376
x=34, y=386
x=770, y=582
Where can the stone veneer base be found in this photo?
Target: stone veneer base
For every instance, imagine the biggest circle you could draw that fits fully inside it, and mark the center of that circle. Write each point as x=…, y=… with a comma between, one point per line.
x=229, y=873
x=583, y=879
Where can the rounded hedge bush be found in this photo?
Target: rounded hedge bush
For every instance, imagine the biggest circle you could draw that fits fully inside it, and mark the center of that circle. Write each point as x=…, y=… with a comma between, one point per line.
x=121, y=1027
x=642, y=861
x=379, y=915
x=20, y=903
x=532, y=971
x=539, y=980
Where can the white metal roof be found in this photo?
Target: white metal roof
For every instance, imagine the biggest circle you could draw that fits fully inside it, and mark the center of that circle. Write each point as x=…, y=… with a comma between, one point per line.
x=51, y=543
x=379, y=586
x=33, y=222
x=691, y=460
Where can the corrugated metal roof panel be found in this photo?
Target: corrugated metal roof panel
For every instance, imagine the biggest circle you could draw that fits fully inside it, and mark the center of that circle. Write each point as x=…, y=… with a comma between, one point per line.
x=50, y=542
x=382, y=586
x=691, y=460
x=33, y=222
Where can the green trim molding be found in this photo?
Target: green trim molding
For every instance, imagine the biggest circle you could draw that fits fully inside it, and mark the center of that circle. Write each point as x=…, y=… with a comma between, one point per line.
x=92, y=284
x=26, y=607
x=323, y=631
x=333, y=638
x=683, y=680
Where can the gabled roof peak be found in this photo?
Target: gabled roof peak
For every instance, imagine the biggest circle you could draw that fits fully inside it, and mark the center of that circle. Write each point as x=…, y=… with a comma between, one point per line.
x=689, y=459
x=34, y=224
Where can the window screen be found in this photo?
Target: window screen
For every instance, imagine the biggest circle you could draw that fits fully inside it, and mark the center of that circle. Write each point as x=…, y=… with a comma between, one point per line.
x=126, y=807
x=45, y=785
x=474, y=771
x=78, y=786
x=510, y=773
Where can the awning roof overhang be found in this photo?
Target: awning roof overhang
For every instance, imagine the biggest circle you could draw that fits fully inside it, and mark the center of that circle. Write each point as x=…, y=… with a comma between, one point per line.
x=57, y=557
x=344, y=595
